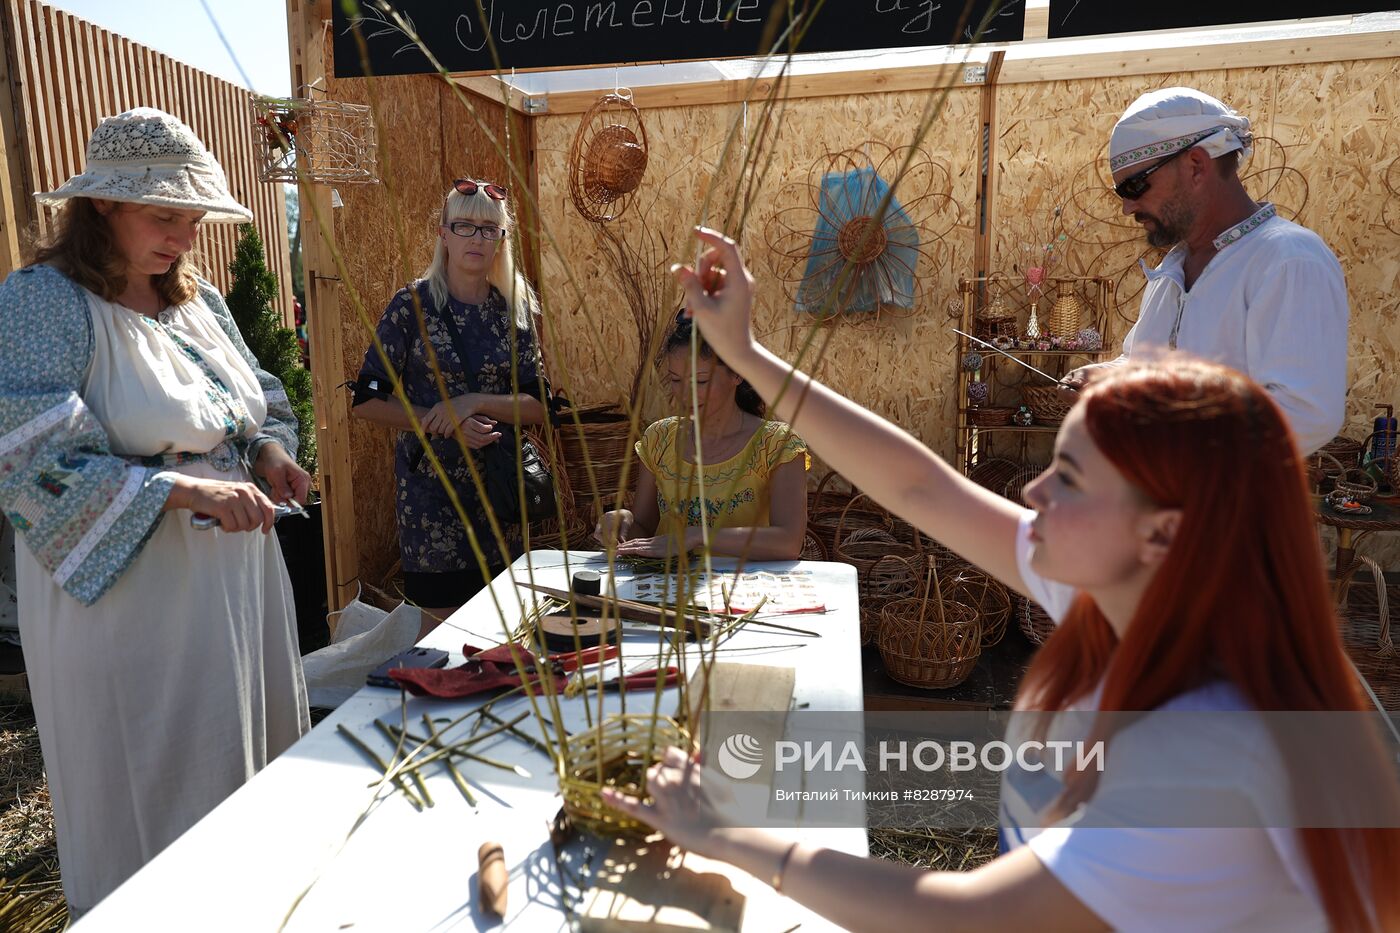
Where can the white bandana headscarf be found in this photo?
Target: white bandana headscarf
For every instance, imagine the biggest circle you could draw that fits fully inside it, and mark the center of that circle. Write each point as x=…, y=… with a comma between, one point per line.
x=1175, y=118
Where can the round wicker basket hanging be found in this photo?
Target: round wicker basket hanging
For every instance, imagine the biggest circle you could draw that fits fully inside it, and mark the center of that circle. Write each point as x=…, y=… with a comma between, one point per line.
x=608, y=159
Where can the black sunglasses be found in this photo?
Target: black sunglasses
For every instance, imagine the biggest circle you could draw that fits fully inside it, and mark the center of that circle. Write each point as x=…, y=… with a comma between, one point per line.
x=1135, y=186
x=468, y=187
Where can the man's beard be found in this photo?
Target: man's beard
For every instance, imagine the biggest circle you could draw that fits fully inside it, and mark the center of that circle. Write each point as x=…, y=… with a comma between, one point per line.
x=1171, y=224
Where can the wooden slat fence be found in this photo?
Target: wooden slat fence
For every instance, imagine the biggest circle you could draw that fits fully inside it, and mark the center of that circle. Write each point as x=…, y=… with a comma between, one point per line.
x=63, y=74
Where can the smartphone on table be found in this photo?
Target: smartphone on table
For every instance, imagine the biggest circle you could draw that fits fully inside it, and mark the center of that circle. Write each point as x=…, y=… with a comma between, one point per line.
x=413, y=657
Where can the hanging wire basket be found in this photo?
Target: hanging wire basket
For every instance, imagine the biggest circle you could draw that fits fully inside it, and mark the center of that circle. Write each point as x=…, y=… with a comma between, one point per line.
x=331, y=142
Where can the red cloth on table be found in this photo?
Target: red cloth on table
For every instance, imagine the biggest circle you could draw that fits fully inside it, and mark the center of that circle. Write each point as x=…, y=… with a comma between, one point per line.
x=486, y=670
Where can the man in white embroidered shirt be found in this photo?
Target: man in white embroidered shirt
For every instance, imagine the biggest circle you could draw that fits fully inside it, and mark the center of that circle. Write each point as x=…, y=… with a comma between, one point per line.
x=1241, y=285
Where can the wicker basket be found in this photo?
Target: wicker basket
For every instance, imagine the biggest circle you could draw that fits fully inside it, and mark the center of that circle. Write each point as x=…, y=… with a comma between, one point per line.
x=832, y=524
x=990, y=417
x=576, y=532
x=812, y=547
x=602, y=441
x=929, y=643
x=613, y=163
x=885, y=571
x=1045, y=403
x=990, y=330
x=1018, y=481
x=1035, y=622
x=967, y=585
x=616, y=754
x=993, y=473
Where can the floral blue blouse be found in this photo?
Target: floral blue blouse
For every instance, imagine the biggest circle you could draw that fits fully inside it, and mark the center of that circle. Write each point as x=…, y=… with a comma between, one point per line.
x=88, y=528
x=432, y=539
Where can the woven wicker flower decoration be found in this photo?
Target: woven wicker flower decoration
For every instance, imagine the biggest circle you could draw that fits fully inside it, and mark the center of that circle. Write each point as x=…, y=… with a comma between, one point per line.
x=862, y=236
x=607, y=159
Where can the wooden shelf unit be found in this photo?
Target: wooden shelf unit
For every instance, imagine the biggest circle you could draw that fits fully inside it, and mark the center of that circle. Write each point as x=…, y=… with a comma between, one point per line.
x=974, y=443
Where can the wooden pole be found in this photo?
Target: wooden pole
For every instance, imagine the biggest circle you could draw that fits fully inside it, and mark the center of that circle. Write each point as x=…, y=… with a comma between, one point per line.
x=986, y=184
x=324, y=331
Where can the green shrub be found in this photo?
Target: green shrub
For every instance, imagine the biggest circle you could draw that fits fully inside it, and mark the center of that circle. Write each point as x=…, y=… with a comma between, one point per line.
x=253, y=302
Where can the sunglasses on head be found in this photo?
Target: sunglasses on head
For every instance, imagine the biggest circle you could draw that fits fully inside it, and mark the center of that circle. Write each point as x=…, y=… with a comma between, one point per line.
x=468, y=187
x=1135, y=186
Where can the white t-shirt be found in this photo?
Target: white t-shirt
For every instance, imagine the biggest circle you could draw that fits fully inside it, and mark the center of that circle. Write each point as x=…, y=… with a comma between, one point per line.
x=1272, y=303
x=1155, y=878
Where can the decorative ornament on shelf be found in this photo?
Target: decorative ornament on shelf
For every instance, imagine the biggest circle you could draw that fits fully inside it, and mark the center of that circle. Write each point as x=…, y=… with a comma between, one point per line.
x=1023, y=417
x=1090, y=340
x=978, y=394
x=971, y=361
x=335, y=141
x=1004, y=342
x=608, y=158
x=1035, y=278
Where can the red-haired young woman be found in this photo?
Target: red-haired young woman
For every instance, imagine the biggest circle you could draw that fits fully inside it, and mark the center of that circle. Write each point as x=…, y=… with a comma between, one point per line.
x=1173, y=540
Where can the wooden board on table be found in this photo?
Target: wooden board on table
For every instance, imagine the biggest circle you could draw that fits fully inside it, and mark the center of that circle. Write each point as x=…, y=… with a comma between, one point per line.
x=756, y=688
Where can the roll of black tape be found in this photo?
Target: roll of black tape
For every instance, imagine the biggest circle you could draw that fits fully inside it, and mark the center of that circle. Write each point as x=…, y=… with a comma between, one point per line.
x=588, y=583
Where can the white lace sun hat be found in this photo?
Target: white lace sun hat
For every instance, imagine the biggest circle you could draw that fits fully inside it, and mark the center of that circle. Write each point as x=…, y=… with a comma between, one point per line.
x=146, y=156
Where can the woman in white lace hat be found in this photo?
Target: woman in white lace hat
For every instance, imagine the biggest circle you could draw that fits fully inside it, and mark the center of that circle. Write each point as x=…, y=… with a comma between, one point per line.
x=162, y=658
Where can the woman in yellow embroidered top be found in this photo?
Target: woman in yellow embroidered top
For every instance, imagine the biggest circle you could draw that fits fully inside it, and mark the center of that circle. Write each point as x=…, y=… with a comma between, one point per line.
x=755, y=470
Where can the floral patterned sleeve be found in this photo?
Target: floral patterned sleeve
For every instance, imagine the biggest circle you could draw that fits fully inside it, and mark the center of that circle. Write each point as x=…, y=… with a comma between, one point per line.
x=393, y=333
x=280, y=425
x=83, y=512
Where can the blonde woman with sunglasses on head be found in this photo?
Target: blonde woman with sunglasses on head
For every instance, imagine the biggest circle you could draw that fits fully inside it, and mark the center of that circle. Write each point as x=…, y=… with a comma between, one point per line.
x=477, y=311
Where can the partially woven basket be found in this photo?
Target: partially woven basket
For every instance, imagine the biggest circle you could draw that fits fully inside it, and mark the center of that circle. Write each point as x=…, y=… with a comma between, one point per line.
x=1034, y=621
x=1045, y=404
x=929, y=642
x=616, y=755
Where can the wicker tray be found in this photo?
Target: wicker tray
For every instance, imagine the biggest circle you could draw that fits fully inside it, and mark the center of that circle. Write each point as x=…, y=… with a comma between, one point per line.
x=1045, y=404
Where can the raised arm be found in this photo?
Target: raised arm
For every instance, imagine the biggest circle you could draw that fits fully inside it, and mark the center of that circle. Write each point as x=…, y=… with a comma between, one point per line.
x=891, y=466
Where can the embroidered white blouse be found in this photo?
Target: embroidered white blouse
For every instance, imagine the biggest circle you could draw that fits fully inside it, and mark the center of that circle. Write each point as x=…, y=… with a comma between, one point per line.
x=1271, y=303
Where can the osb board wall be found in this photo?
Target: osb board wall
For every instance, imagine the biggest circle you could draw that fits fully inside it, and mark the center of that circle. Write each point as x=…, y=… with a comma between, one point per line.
x=427, y=139
x=1327, y=157
x=900, y=365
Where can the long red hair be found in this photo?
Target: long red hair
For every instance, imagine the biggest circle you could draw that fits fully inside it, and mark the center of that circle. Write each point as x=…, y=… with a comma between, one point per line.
x=1241, y=595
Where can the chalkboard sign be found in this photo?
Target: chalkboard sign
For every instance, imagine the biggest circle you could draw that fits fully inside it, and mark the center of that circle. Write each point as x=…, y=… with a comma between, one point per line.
x=1098, y=17
x=534, y=34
